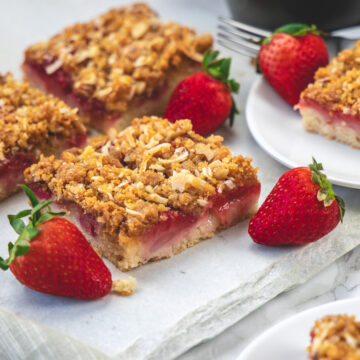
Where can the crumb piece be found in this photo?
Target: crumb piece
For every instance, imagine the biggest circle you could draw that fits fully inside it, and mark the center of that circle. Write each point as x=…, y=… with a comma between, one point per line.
x=127, y=186
x=335, y=337
x=122, y=54
x=337, y=85
x=125, y=286
x=30, y=120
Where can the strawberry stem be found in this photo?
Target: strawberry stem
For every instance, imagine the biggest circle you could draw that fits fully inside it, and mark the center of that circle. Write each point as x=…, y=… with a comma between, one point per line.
x=220, y=70
x=326, y=192
x=29, y=231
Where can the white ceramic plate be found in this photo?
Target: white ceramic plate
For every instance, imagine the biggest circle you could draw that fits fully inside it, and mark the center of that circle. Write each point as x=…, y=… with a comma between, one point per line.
x=289, y=338
x=277, y=128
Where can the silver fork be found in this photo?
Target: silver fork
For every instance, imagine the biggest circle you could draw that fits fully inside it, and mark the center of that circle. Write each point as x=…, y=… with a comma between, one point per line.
x=245, y=39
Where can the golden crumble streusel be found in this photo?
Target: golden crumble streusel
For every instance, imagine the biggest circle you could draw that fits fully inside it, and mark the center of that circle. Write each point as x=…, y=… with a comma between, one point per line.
x=337, y=85
x=126, y=180
x=124, y=53
x=29, y=118
x=335, y=337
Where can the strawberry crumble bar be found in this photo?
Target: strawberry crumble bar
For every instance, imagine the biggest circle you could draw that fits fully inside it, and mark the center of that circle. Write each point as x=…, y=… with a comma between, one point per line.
x=331, y=105
x=335, y=337
x=150, y=191
x=32, y=123
x=121, y=65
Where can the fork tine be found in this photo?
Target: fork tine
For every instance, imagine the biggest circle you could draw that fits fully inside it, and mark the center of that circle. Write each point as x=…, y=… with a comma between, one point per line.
x=239, y=42
x=242, y=34
x=245, y=27
x=232, y=47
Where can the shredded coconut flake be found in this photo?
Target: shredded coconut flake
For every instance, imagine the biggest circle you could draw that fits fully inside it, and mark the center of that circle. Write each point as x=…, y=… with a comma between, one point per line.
x=230, y=184
x=56, y=65
x=202, y=202
x=133, y=212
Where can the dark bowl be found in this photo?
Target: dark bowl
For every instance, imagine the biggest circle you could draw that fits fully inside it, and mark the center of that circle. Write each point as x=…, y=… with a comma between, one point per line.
x=269, y=14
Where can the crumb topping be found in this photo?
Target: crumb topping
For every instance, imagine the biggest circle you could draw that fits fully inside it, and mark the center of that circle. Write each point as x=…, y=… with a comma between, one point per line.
x=122, y=54
x=126, y=180
x=335, y=337
x=337, y=86
x=29, y=118
x=125, y=286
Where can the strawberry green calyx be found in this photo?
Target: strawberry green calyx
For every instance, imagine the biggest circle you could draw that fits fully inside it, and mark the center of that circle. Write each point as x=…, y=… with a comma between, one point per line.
x=294, y=29
x=220, y=70
x=39, y=213
x=326, y=192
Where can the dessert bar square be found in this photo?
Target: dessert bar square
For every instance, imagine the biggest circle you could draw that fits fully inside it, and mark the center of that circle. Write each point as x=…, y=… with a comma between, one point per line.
x=121, y=65
x=331, y=105
x=150, y=191
x=32, y=123
x=335, y=337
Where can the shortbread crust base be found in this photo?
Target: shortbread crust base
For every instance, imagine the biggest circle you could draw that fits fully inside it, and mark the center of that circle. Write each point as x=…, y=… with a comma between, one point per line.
x=130, y=257
x=317, y=122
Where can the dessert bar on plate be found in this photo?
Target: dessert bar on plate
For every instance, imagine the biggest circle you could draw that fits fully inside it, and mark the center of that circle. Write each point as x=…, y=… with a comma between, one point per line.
x=150, y=191
x=32, y=123
x=335, y=337
x=121, y=65
x=331, y=105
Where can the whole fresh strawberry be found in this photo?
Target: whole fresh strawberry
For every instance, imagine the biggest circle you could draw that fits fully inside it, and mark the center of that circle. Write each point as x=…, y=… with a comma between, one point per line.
x=289, y=58
x=301, y=208
x=52, y=256
x=205, y=97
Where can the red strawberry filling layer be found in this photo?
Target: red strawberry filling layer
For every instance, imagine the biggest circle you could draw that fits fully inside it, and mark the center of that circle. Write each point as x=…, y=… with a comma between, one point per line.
x=12, y=169
x=59, y=84
x=339, y=118
x=177, y=230
x=12, y=172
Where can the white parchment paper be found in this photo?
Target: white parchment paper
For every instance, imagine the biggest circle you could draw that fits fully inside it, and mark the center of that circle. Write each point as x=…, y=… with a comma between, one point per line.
x=181, y=301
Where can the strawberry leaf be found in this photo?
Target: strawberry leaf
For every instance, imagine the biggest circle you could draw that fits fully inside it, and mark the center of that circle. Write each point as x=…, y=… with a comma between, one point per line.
x=30, y=232
x=215, y=73
x=39, y=213
x=32, y=197
x=220, y=70
x=341, y=204
x=3, y=264
x=17, y=224
x=23, y=213
x=294, y=29
x=234, y=86
x=35, y=212
x=48, y=215
x=225, y=67
x=326, y=192
x=22, y=247
x=234, y=110
x=208, y=58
